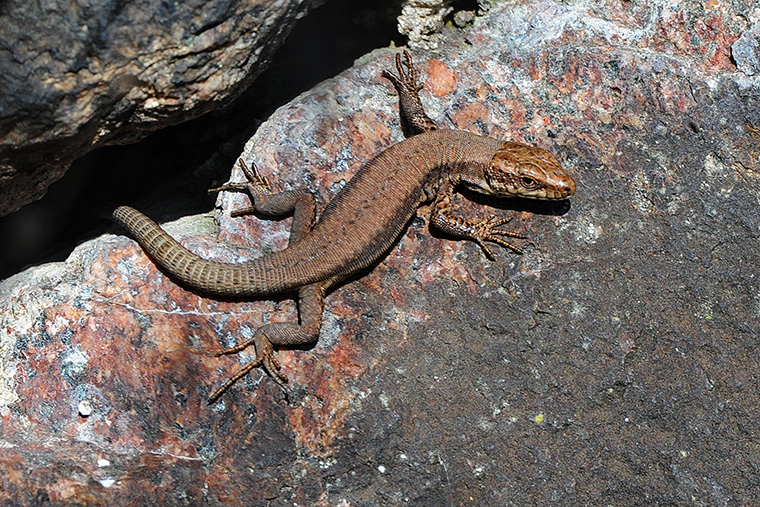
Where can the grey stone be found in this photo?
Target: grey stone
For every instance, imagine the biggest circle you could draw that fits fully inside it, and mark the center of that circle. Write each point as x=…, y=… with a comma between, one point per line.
x=75, y=76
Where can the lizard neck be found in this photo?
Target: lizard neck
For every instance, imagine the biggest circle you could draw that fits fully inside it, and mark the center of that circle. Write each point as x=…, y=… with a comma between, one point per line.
x=460, y=157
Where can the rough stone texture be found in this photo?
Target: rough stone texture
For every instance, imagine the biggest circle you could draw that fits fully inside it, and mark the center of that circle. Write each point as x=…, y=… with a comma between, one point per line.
x=614, y=363
x=746, y=51
x=76, y=76
x=422, y=20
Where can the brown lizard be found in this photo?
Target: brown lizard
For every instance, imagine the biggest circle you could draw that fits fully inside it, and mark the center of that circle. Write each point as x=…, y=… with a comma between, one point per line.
x=362, y=222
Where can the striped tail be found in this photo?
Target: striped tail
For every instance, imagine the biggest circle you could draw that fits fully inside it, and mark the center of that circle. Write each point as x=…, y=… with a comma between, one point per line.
x=212, y=277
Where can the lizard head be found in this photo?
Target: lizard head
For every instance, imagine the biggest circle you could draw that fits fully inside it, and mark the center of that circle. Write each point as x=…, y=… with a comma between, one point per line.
x=518, y=170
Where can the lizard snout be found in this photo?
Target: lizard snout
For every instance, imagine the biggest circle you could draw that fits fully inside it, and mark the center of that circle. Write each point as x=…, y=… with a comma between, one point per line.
x=564, y=188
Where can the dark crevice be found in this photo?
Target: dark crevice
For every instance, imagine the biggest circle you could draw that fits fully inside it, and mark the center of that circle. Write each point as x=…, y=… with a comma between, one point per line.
x=160, y=173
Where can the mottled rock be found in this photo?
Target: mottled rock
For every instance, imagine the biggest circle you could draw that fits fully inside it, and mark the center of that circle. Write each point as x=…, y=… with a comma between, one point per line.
x=422, y=20
x=613, y=363
x=77, y=76
x=746, y=51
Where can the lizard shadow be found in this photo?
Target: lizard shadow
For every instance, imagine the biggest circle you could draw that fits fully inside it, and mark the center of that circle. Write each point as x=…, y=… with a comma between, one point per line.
x=537, y=207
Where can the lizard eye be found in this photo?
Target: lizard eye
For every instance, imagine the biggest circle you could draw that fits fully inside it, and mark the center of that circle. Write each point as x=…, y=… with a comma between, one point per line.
x=528, y=182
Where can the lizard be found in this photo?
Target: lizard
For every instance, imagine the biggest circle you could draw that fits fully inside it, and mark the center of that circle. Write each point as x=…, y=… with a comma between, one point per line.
x=363, y=221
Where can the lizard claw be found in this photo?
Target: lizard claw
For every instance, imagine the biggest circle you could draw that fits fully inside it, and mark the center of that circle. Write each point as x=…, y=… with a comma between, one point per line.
x=407, y=74
x=492, y=221
x=257, y=185
x=255, y=179
x=487, y=230
x=265, y=358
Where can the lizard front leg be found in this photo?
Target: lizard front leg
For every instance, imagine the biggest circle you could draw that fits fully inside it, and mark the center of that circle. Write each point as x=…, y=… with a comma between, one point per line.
x=413, y=118
x=300, y=203
x=484, y=230
x=310, y=307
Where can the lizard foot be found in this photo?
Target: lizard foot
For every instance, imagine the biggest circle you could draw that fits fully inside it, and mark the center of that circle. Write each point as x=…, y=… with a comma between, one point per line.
x=407, y=74
x=265, y=358
x=257, y=184
x=488, y=230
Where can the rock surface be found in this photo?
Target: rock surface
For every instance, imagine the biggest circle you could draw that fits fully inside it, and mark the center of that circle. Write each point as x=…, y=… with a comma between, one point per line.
x=77, y=76
x=613, y=363
x=422, y=20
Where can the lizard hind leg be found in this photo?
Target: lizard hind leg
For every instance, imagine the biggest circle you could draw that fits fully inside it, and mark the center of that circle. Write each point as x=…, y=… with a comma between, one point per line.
x=310, y=306
x=414, y=120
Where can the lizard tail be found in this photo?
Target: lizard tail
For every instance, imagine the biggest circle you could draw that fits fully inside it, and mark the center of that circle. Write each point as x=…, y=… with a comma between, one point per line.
x=223, y=279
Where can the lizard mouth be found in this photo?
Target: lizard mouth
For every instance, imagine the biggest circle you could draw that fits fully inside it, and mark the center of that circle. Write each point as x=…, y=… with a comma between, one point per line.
x=557, y=192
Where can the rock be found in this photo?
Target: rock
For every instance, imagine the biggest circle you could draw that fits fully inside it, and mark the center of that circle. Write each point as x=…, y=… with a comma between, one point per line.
x=746, y=51
x=78, y=76
x=621, y=345
x=422, y=20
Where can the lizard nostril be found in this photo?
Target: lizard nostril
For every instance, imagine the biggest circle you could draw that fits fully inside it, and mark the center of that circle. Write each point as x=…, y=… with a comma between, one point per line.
x=569, y=187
